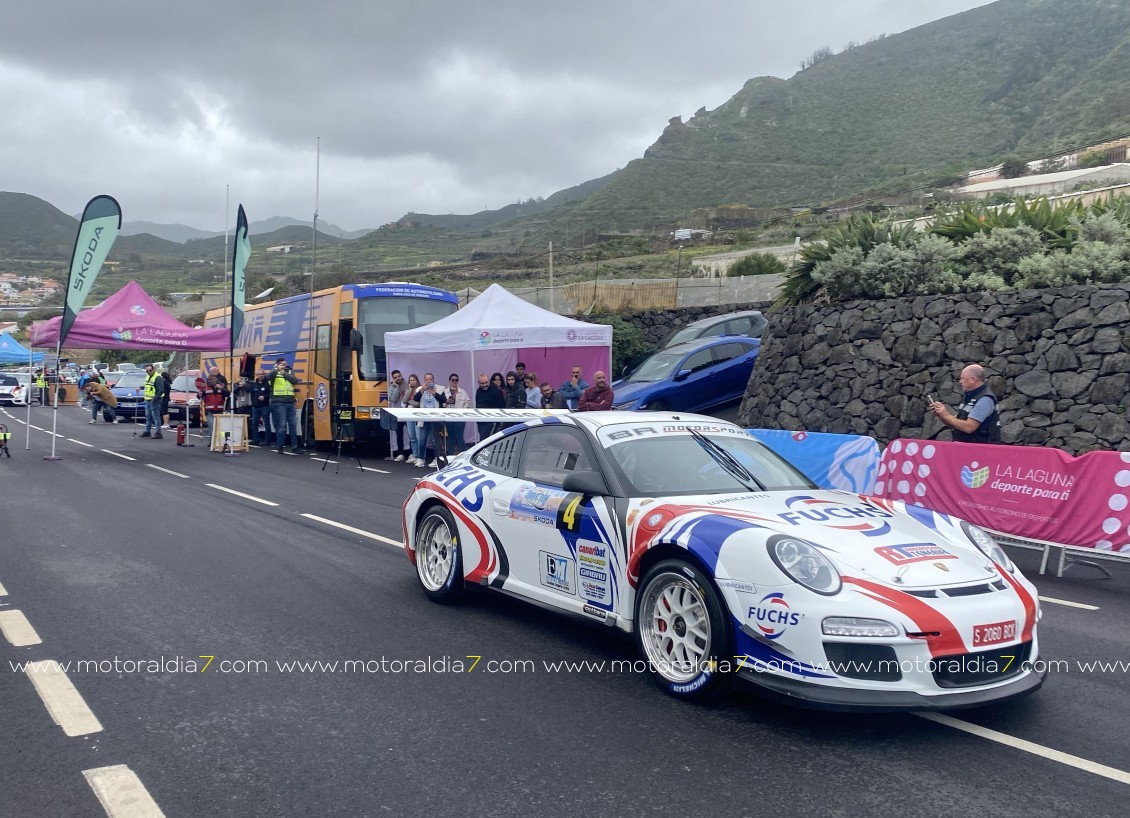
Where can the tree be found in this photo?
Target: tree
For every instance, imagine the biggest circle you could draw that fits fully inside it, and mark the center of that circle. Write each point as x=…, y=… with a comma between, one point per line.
x=757, y=264
x=628, y=347
x=1014, y=167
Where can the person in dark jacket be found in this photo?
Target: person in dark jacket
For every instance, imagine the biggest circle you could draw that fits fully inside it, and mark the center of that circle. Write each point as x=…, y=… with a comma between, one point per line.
x=551, y=398
x=598, y=397
x=261, y=409
x=515, y=391
x=166, y=391
x=976, y=419
x=488, y=396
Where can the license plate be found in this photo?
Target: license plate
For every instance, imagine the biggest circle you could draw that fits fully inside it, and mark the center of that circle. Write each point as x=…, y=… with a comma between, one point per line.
x=994, y=634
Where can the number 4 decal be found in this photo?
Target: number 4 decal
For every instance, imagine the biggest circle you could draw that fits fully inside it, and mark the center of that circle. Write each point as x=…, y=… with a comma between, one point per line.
x=567, y=517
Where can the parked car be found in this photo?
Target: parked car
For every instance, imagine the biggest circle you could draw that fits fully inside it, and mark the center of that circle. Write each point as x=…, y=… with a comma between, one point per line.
x=689, y=377
x=749, y=323
x=129, y=390
x=14, y=388
x=184, y=400
x=728, y=564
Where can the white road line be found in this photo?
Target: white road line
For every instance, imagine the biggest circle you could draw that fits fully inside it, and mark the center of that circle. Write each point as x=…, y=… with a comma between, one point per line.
x=121, y=792
x=168, y=471
x=379, y=471
x=1029, y=747
x=17, y=420
x=17, y=630
x=361, y=532
x=79, y=442
x=240, y=494
x=1069, y=603
x=122, y=456
x=40, y=428
x=63, y=702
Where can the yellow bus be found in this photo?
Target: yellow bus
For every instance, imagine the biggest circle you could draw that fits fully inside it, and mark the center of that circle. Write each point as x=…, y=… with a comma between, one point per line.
x=345, y=366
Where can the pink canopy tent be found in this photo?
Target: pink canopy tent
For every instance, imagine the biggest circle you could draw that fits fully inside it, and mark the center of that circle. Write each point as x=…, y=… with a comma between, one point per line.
x=129, y=319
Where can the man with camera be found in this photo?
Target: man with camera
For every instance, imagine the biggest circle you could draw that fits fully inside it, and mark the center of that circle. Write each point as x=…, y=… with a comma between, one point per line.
x=976, y=419
x=434, y=435
x=284, y=409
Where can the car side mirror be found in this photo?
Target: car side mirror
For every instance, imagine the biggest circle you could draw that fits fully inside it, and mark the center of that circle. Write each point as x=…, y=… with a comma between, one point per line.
x=585, y=482
x=356, y=340
x=683, y=375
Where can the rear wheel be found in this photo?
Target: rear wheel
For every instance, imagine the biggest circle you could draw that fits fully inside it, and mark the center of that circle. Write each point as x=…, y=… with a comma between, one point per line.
x=683, y=630
x=439, y=559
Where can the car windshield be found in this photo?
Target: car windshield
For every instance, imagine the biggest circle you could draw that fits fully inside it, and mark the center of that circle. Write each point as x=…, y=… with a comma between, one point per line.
x=658, y=367
x=685, y=334
x=645, y=464
x=131, y=380
x=184, y=383
x=8, y=380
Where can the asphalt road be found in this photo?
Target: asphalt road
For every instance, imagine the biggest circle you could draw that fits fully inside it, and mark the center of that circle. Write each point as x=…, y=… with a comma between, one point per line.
x=150, y=559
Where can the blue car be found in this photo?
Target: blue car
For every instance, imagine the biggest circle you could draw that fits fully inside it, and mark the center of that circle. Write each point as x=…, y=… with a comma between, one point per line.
x=129, y=390
x=690, y=377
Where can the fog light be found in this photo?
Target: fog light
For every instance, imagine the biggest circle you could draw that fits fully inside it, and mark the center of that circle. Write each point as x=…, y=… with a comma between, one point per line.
x=850, y=626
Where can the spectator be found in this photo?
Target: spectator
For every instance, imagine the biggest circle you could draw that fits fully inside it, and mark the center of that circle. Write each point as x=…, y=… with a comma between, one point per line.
x=977, y=419
x=41, y=385
x=213, y=398
x=515, y=391
x=153, y=392
x=433, y=434
x=520, y=372
x=573, y=388
x=457, y=398
x=412, y=401
x=397, y=393
x=500, y=383
x=166, y=393
x=488, y=396
x=550, y=398
x=101, y=399
x=83, y=379
x=284, y=409
x=533, y=393
x=598, y=397
x=215, y=376
x=261, y=409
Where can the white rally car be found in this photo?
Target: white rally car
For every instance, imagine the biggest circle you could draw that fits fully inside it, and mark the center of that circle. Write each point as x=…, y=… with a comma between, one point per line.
x=726, y=563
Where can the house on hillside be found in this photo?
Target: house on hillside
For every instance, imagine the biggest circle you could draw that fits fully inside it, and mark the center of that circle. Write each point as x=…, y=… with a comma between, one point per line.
x=1050, y=184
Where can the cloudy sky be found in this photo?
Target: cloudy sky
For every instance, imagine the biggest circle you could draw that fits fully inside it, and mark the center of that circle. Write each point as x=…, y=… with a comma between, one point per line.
x=433, y=106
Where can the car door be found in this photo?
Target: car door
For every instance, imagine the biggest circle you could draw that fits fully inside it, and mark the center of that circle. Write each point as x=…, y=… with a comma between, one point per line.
x=561, y=546
x=699, y=387
x=733, y=364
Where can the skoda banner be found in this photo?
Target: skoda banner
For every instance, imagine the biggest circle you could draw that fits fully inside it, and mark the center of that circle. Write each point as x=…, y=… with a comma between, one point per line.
x=240, y=254
x=101, y=221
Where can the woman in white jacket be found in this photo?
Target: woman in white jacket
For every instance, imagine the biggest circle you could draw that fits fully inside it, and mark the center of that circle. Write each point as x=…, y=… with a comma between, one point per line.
x=457, y=398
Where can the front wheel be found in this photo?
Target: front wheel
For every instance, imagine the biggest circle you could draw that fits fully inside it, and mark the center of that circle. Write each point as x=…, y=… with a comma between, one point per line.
x=439, y=559
x=683, y=630
x=659, y=406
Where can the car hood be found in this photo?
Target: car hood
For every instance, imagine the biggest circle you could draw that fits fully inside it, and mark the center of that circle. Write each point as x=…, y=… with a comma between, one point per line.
x=887, y=541
x=625, y=391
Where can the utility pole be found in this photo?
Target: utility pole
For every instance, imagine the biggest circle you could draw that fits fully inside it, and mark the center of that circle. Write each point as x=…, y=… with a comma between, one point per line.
x=551, y=307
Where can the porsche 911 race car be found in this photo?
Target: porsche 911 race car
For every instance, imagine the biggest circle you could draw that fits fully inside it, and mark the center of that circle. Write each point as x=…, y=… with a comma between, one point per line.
x=727, y=564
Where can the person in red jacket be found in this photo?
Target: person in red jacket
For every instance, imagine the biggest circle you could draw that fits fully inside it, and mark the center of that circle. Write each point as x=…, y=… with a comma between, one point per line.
x=598, y=397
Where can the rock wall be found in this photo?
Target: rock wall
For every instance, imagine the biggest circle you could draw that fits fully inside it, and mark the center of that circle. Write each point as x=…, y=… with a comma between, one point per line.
x=1058, y=360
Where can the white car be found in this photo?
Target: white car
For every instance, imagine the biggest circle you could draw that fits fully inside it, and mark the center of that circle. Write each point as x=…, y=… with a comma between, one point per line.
x=727, y=564
x=14, y=388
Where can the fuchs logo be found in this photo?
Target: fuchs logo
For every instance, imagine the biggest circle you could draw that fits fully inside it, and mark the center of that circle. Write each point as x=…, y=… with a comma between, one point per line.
x=772, y=615
x=571, y=336
x=484, y=338
x=137, y=309
x=864, y=519
x=914, y=552
x=973, y=477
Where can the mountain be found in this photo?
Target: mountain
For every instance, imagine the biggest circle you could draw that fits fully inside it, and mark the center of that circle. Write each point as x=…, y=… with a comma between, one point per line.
x=183, y=233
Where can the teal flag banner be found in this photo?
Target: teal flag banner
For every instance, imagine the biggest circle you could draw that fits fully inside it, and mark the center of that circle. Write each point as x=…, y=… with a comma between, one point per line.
x=240, y=254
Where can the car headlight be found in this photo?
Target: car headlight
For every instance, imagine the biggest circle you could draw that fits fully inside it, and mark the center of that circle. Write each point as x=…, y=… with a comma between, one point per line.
x=855, y=626
x=988, y=546
x=803, y=563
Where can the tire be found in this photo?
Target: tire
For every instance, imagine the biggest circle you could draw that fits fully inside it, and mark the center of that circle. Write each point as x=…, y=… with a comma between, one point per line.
x=659, y=406
x=439, y=559
x=684, y=657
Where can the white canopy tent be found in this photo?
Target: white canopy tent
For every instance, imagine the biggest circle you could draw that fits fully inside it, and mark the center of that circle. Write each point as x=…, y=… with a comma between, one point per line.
x=494, y=332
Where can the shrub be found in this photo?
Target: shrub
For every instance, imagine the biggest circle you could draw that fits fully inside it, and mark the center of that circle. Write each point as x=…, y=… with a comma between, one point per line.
x=757, y=264
x=628, y=347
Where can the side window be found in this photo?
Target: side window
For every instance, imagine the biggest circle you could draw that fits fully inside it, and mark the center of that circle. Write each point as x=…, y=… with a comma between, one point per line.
x=726, y=352
x=714, y=331
x=551, y=452
x=502, y=456
x=739, y=326
x=700, y=360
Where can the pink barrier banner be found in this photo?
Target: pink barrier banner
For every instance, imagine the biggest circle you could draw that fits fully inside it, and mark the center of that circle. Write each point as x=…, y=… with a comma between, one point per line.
x=1026, y=491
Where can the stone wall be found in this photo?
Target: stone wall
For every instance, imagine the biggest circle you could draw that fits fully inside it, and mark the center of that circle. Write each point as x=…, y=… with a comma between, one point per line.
x=1058, y=360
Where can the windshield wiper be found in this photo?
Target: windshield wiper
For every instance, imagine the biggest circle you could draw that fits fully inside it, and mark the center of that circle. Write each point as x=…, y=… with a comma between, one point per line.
x=727, y=461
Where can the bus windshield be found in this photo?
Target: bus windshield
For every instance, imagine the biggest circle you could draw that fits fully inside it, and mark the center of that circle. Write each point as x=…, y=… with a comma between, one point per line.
x=376, y=316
